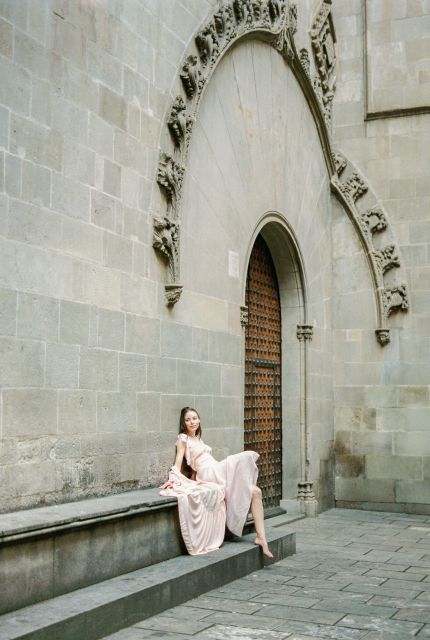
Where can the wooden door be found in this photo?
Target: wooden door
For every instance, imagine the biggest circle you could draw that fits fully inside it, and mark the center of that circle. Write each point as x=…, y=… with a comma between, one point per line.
x=263, y=420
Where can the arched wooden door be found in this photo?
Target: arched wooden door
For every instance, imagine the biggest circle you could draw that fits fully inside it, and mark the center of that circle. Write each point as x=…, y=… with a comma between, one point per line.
x=263, y=420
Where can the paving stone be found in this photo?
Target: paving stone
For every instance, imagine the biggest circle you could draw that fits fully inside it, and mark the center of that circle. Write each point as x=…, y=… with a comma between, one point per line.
x=380, y=624
x=224, y=604
x=221, y=632
x=173, y=625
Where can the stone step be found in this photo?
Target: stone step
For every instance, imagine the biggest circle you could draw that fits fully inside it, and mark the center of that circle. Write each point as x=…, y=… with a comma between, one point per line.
x=101, y=609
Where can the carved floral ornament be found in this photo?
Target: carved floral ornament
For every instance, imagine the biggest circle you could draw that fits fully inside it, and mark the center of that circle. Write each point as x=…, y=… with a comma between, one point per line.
x=275, y=22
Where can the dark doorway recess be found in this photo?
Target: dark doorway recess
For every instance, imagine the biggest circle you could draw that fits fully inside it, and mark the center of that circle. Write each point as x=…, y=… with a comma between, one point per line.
x=263, y=415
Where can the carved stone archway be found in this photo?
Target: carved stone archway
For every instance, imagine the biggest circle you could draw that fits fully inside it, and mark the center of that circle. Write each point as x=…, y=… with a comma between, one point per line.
x=274, y=22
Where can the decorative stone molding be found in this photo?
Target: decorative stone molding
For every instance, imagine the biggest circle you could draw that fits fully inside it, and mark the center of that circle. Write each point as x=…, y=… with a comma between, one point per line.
x=351, y=188
x=179, y=122
x=386, y=258
x=165, y=241
x=169, y=177
x=191, y=77
x=307, y=500
x=305, y=61
x=225, y=23
x=323, y=40
x=305, y=332
x=395, y=298
x=207, y=44
x=244, y=315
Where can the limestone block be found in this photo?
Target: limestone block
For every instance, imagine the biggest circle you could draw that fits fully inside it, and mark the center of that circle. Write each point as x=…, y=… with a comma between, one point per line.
x=74, y=322
x=232, y=380
x=227, y=411
x=171, y=405
x=112, y=108
x=104, y=67
x=82, y=240
x=36, y=184
x=225, y=348
x=395, y=467
x=80, y=87
x=413, y=443
x=62, y=366
x=381, y=396
x=15, y=88
x=141, y=259
x=116, y=412
x=136, y=88
x=103, y=210
x=29, y=412
x=97, y=285
x=98, y=369
x=22, y=363
x=13, y=175
x=406, y=419
x=111, y=329
x=41, y=101
x=132, y=372
x=36, y=143
x=16, y=13
x=8, y=304
x=198, y=378
x=6, y=39
x=69, y=42
x=162, y=374
x=372, y=443
x=148, y=412
x=410, y=491
x=100, y=136
x=37, y=317
x=414, y=396
x=129, y=152
x=117, y=252
x=200, y=349
x=4, y=127
x=131, y=187
x=176, y=340
x=112, y=178
x=136, y=225
x=142, y=335
x=68, y=448
x=77, y=412
x=70, y=197
x=134, y=466
x=139, y=295
x=70, y=119
x=79, y=162
x=363, y=489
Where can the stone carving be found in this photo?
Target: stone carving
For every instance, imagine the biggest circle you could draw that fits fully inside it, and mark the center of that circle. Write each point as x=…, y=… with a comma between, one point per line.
x=207, y=44
x=170, y=175
x=191, y=76
x=353, y=188
x=307, y=499
x=244, y=315
x=305, y=61
x=383, y=336
x=165, y=238
x=323, y=39
x=276, y=10
x=373, y=220
x=395, y=298
x=179, y=123
x=224, y=23
x=292, y=17
x=339, y=162
x=386, y=258
x=243, y=10
x=305, y=332
x=173, y=293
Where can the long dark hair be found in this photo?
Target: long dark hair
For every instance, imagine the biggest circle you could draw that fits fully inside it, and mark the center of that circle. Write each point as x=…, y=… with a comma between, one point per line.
x=182, y=425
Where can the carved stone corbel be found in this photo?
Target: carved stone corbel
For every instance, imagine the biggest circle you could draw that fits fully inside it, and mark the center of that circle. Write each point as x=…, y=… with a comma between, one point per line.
x=172, y=293
x=179, y=123
x=353, y=187
x=395, y=298
x=373, y=220
x=165, y=241
x=305, y=332
x=383, y=336
x=169, y=177
x=386, y=258
x=244, y=315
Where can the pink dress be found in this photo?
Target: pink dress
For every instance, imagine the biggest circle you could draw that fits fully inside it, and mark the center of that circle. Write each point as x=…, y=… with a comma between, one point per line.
x=221, y=494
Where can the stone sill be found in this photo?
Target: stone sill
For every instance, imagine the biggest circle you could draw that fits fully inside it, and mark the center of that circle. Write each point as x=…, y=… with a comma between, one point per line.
x=42, y=521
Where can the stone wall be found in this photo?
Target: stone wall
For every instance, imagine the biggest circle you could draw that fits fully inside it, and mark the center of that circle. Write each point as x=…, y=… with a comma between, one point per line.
x=382, y=395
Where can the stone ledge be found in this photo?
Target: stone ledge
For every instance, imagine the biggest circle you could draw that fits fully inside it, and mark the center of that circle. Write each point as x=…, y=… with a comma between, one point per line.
x=96, y=611
x=47, y=520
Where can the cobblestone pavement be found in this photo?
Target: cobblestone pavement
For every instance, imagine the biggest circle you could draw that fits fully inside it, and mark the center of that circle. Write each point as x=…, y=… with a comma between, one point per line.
x=356, y=575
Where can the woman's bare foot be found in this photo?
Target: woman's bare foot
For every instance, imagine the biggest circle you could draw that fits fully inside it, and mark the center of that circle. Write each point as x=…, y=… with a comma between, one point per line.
x=264, y=547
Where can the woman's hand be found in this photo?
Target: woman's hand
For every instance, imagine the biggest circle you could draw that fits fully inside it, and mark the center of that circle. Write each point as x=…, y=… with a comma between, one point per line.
x=167, y=485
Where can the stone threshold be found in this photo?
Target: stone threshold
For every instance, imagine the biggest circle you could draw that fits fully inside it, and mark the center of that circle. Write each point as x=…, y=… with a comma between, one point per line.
x=39, y=521
x=101, y=609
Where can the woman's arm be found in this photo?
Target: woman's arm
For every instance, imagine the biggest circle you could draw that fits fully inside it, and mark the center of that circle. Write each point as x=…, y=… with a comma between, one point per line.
x=180, y=452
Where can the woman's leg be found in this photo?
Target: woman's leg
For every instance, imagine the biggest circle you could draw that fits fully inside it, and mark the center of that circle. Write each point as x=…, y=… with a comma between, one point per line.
x=258, y=515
